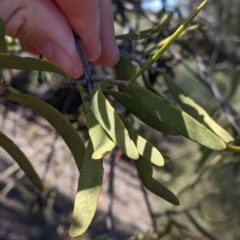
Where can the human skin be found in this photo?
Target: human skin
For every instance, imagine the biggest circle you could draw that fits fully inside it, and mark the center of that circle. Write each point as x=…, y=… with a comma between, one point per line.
x=45, y=26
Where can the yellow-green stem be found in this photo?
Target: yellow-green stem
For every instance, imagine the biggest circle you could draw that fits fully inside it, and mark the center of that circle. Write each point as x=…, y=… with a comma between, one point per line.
x=175, y=35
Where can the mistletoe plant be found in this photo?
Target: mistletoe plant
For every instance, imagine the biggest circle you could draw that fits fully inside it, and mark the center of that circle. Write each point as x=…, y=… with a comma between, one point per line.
x=108, y=129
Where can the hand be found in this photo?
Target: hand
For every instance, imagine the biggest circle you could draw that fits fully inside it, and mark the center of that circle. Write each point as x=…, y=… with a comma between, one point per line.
x=45, y=26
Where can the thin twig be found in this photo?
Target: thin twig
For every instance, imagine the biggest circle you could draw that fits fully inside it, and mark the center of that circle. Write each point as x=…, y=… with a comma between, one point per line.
x=140, y=62
x=219, y=39
x=49, y=158
x=84, y=61
x=9, y=171
x=149, y=208
x=111, y=80
x=12, y=183
x=84, y=82
x=169, y=213
x=83, y=58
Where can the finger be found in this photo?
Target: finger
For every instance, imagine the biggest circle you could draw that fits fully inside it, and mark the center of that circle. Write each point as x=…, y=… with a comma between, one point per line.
x=84, y=18
x=30, y=49
x=109, y=54
x=42, y=26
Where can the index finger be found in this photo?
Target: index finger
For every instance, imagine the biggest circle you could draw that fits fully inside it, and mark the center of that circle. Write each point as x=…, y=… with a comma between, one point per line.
x=84, y=18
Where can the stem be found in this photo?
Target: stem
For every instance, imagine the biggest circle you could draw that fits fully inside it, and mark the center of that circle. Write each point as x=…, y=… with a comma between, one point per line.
x=166, y=45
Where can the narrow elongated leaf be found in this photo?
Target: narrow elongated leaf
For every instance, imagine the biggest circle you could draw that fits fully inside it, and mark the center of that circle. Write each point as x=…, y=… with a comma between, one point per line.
x=89, y=189
x=112, y=124
x=173, y=117
x=196, y=111
x=135, y=108
x=102, y=143
x=27, y=63
x=124, y=69
x=145, y=172
x=3, y=47
x=148, y=85
x=145, y=148
x=15, y=152
x=55, y=118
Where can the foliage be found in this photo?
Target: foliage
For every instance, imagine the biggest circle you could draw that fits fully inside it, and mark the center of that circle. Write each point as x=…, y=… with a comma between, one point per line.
x=158, y=51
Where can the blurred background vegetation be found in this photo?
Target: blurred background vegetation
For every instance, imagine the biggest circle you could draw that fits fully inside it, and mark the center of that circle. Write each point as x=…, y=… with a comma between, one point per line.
x=205, y=62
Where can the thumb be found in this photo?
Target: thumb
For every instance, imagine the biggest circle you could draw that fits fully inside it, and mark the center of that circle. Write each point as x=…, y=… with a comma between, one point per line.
x=42, y=27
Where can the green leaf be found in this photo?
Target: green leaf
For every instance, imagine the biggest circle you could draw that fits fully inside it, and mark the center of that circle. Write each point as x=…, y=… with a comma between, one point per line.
x=196, y=111
x=102, y=143
x=56, y=119
x=145, y=148
x=148, y=85
x=27, y=63
x=124, y=69
x=173, y=117
x=145, y=172
x=15, y=152
x=112, y=124
x=3, y=47
x=135, y=108
x=89, y=189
